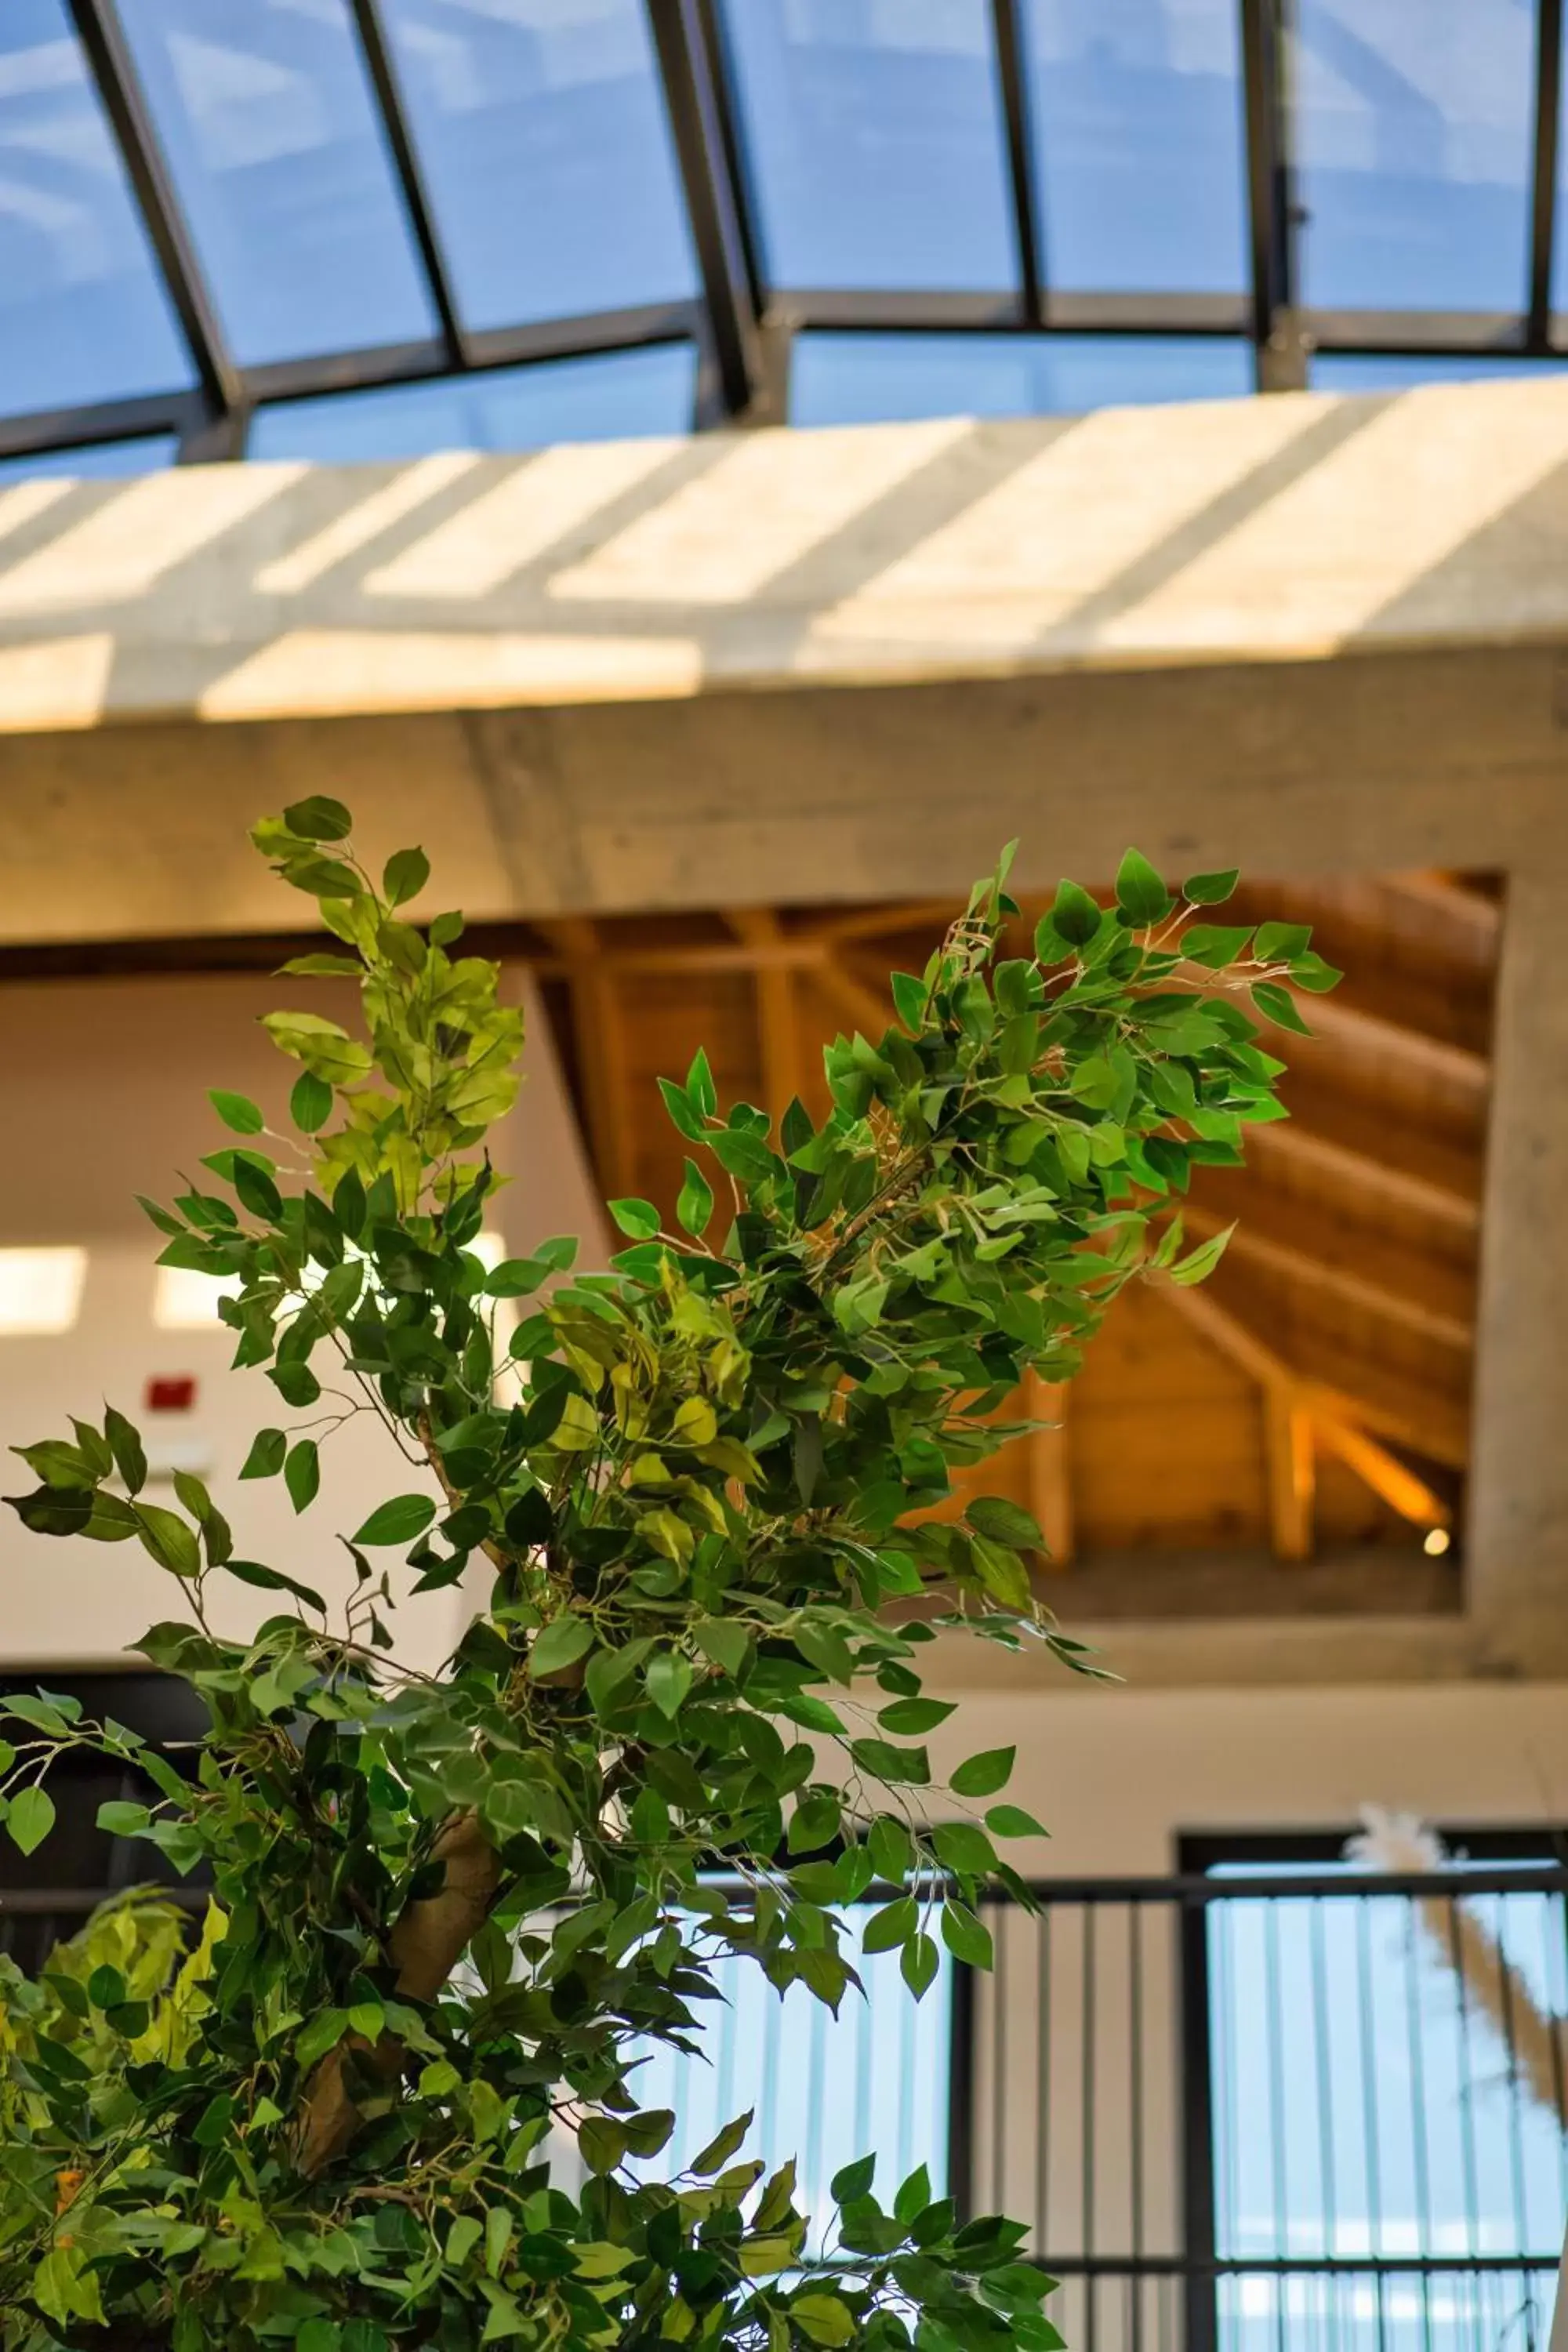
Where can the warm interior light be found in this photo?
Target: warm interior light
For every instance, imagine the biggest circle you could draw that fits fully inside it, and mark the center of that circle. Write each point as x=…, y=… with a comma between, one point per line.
x=185, y=1300
x=40, y=1289
x=1437, y=1542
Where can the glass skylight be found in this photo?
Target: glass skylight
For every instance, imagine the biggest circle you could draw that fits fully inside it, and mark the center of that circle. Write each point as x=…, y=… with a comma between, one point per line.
x=542, y=130
x=1412, y=133
x=875, y=134
x=266, y=113
x=97, y=460
x=1138, y=125
x=619, y=396
x=857, y=379
x=83, y=314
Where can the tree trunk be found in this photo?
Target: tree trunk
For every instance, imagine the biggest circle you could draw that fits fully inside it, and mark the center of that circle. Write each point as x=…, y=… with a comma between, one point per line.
x=426, y=1946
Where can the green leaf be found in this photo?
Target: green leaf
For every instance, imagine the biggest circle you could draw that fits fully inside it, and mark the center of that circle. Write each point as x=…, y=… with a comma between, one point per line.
x=695, y=1206
x=1215, y=945
x=311, y=1102
x=1277, y=1005
x=30, y=1817
x=640, y=1219
x=126, y=1446
x=980, y=1776
x=1002, y=1522
x=961, y=1846
x=319, y=819
x=272, y=1580
x=725, y=1642
x=1140, y=892
x=1075, y=915
x=1311, y=972
x=669, y=1679
x=722, y=2146
x=699, y=1086
x=264, y=1459
x=964, y=1936
x=302, y=1472
x=1012, y=1820
x=1202, y=1261
x=823, y=2318
x=918, y=1964
x=167, y=1538
x=119, y=1818
x=885, y=1762
x=1279, y=942
x=906, y=1718
x=564, y=1640
x=237, y=1111
x=257, y=1191
x=1210, y=889
x=398, y=1521
x=323, y=2033
x=892, y=1849
x=890, y=1924
x=405, y=875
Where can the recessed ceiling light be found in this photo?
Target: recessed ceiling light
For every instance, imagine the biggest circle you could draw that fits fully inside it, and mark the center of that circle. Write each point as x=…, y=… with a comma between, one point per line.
x=185, y=1300
x=40, y=1289
x=1437, y=1542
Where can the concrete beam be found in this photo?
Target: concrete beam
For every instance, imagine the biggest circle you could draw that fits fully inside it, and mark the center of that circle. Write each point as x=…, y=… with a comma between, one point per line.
x=1302, y=632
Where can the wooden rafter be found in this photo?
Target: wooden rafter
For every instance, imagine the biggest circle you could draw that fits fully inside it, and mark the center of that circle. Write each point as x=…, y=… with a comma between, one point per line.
x=1396, y=1187
x=1288, y=1433
x=1282, y=1257
x=1426, y=1056
x=599, y=1030
x=778, y=1037
x=1049, y=1471
x=1335, y=1421
x=1451, y=898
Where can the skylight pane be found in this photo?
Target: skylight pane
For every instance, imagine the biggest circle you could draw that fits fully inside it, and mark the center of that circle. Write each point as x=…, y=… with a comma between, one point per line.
x=874, y=130
x=618, y=396
x=1397, y=371
x=96, y=460
x=1412, y=142
x=186, y=1300
x=266, y=116
x=40, y=1290
x=877, y=378
x=83, y=313
x=1137, y=118
x=542, y=128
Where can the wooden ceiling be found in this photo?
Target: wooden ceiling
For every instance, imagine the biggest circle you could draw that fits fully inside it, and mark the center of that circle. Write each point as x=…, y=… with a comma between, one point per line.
x=1308, y=1407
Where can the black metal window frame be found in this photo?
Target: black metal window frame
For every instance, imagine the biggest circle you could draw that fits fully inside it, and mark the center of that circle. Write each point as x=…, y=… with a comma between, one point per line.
x=744, y=327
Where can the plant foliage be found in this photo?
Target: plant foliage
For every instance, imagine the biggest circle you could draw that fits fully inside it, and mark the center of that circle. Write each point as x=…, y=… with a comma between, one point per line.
x=688, y=1718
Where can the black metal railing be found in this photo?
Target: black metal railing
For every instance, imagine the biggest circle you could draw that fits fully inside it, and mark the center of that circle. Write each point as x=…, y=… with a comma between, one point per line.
x=1292, y=2110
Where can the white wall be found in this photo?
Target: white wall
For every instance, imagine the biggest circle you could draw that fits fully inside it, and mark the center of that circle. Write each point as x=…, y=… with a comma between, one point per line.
x=103, y=1093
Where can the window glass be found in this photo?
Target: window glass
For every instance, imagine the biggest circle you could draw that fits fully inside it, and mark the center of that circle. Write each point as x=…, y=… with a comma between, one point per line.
x=96, y=459
x=868, y=379
x=1138, y=143
x=1385, y=371
x=83, y=313
x=874, y=128
x=266, y=112
x=1411, y=142
x=620, y=395
x=542, y=132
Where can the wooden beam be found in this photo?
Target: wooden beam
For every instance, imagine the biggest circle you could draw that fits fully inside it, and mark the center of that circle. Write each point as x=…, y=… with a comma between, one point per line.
x=599, y=1028
x=875, y=922
x=778, y=1037
x=1338, y=1163
x=1292, y=1460
x=1299, y=1265
x=859, y=1005
x=1377, y=1468
x=1050, y=1481
x=1478, y=914
x=1369, y=1034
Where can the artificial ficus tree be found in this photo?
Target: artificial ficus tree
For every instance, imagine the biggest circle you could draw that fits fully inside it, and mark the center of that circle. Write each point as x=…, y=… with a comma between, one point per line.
x=686, y=1718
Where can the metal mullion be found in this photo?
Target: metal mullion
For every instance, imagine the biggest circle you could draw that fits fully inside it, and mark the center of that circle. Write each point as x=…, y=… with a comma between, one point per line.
x=382, y=66
x=732, y=340
x=1543, y=207
x=114, y=420
x=742, y=182
x=1009, y=37
x=1281, y=357
x=113, y=70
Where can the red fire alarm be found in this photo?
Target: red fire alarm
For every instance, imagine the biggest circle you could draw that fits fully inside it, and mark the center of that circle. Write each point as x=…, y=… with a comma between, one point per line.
x=171, y=1392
